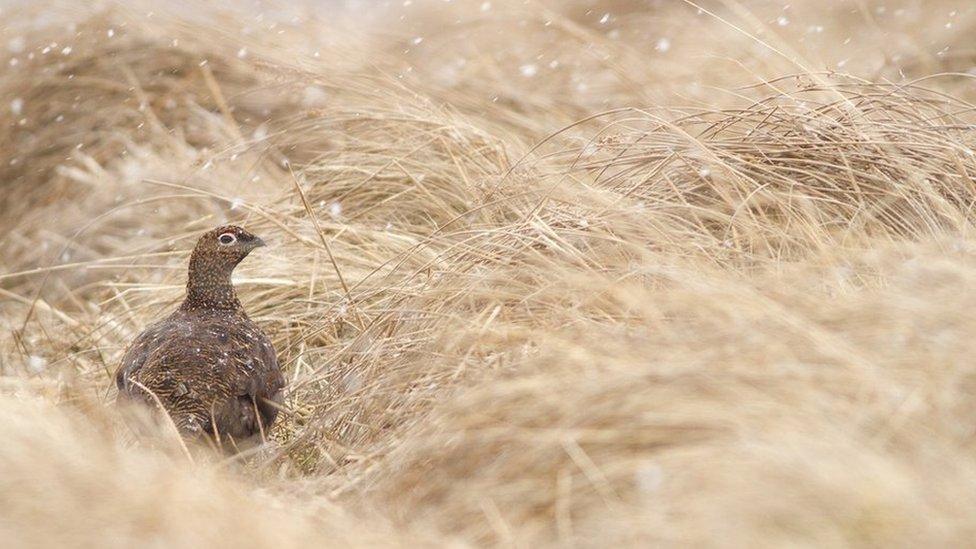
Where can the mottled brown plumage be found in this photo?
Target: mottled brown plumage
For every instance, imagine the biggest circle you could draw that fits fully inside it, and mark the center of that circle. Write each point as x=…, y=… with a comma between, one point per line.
x=213, y=370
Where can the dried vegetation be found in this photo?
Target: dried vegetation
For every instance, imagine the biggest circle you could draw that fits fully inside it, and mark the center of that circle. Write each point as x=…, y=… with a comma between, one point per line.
x=550, y=273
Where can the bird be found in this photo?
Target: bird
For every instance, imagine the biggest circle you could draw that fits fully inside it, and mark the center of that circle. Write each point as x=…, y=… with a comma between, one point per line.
x=208, y=365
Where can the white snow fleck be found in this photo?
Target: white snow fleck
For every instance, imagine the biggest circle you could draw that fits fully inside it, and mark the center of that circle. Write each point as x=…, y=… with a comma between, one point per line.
x=36, y=364
x=17, y=44
x=66, y=50
x=110, y=33
x=237, y=202
x=314, y=96
x=782, y=21
x=648, y=477
x=242, y=53
x=335, y=209
x=529, y=70
x=663, y=45
x=485, y=6
x=17, y=106
x=605, y=19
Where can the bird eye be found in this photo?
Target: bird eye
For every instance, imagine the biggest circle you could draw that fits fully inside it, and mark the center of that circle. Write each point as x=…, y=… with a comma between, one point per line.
x=227, y=239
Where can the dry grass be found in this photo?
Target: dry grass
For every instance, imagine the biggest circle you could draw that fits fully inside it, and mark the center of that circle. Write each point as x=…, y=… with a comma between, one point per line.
x=537, y=277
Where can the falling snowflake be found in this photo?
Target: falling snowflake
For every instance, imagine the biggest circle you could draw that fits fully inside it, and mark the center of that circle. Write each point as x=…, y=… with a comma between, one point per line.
x=314, y=96
x=17, y=44
x=36, y=364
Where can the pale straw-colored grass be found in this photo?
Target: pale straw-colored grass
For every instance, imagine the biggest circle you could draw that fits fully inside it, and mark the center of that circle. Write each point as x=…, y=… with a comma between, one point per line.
x=535, y=278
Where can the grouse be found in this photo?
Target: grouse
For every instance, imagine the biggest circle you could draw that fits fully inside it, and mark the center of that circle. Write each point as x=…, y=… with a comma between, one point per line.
x=208, y=365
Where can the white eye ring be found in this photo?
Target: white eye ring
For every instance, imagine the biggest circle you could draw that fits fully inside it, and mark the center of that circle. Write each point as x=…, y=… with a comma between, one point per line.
x=227, y=239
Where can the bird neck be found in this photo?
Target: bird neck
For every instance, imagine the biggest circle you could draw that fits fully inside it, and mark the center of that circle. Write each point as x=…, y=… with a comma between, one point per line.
x=209, y=287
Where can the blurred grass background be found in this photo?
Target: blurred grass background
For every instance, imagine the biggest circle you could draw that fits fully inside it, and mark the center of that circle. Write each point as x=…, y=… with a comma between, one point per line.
x=606, y=272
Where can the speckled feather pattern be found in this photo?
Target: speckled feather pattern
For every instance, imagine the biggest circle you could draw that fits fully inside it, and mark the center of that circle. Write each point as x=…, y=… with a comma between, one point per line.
x=211, y=367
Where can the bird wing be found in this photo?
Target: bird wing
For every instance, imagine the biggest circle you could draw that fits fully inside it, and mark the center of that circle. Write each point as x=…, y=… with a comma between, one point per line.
x=256, y=380
x=176, y=368
x=212, y=373
x=144, y=346
x=268, y=397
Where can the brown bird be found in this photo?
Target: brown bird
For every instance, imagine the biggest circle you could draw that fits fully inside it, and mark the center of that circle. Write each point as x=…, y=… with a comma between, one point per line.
x=210, y=367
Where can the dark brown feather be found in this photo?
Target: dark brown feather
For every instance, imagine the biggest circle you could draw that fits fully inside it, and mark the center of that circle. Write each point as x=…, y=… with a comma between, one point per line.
x=213, y=369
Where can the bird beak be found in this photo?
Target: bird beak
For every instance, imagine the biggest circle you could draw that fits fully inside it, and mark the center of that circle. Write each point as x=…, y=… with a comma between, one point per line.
x=257, y=243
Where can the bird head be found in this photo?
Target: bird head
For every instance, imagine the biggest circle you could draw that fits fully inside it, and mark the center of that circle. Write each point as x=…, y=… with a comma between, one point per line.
x=224, y=247
x=213, y=260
